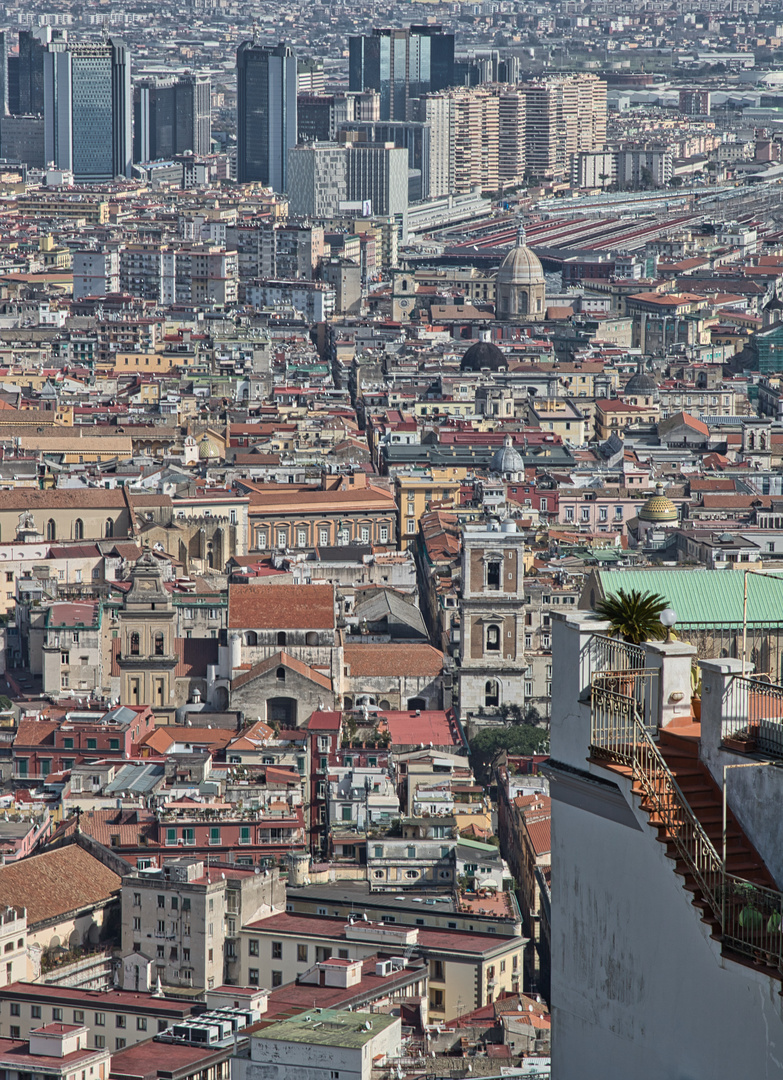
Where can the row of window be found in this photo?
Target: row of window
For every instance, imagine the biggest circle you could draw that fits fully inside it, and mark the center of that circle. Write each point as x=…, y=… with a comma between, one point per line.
x=78, y=1017
x=310, y=638
x=300, y=536
x=78, y=529
x=603, y=513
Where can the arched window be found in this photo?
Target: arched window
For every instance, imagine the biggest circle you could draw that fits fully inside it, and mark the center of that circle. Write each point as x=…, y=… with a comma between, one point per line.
x=108, y=528
x=281, y=637
x=51, y=530
x=134, y=644
x=311, y=638
x=251, y=638
x=159, y=644
x=78, y=529
x=493, y=638
x=491, y=693
x=280, y=673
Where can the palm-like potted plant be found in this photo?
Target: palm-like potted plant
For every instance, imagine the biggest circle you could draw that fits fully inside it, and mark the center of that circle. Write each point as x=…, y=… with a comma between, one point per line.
x=634, y=616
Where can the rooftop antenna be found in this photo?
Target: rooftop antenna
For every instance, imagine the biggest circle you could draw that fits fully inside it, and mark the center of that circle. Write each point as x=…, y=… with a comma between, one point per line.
x=105, y=30
x=255, y=33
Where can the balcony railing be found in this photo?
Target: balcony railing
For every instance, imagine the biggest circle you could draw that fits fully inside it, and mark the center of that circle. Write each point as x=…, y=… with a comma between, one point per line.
x=612, y=654
x=750, y=916
x=753, y=715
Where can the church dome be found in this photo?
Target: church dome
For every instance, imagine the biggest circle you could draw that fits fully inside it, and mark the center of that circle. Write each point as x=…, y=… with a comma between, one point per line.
x=207, y=449
x=641, y=383
x=659, y=508
x=520, y=285
x=507, y=459
x=483, y=354
x=521, y=267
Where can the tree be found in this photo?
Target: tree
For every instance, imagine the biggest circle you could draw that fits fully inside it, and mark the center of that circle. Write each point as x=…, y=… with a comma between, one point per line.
x=487, y=745
x=634, y=616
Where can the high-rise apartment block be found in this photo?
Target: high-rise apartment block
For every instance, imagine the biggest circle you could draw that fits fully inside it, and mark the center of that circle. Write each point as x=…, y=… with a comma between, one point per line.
x=401, y=64
x=266, y=113
x=87, y=109
x=566, y=114
x=477, y=138
x=171, y=116
x=695, y=102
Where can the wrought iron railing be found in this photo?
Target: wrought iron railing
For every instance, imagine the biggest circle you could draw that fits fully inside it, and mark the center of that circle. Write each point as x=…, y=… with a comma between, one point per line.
x=753, y=714
x=612, y=654
x=750, y=916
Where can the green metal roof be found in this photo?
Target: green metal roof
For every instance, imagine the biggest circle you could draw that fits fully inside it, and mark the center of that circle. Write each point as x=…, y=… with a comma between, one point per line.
x=477, y=845
x=328, y=1027
x=704, y=596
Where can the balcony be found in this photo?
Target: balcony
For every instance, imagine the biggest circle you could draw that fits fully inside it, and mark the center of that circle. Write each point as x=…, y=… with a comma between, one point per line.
x=674, y=767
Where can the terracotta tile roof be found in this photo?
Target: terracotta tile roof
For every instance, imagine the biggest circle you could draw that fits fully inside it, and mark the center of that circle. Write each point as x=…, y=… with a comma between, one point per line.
x=129, y=825
x=282, y=659
x=388, y=660
x=60, y=499
x=429, y=727
x=36, y=733
x=283, y=607
x=161, y=739
x=56, y=882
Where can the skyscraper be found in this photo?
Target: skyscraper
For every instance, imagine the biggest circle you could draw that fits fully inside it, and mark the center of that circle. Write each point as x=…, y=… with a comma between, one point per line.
x=266, y=113
x=87, y=109
x=401, y=65
x=171, y=116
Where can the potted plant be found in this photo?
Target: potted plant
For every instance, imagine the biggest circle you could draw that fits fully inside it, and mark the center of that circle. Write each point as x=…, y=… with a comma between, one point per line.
x=634, y=617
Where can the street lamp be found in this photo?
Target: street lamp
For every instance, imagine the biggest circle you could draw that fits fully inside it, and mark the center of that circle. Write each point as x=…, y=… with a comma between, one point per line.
x=668, y=618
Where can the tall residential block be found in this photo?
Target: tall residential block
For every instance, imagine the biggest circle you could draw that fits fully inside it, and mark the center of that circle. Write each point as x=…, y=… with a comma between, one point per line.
x=566, y=115
x=171, y=116
x=266, y=113
x=87, y=109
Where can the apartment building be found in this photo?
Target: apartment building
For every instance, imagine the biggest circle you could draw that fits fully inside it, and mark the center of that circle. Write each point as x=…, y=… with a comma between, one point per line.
x=176, y=918
x=466, y=969
x=56, y=1048
x=324, y=1044
x=113, y=1019
x=565, y=116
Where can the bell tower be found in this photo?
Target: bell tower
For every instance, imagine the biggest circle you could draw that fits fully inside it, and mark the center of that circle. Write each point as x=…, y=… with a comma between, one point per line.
x=147, y=655
x=403, y=297
x=492, y=619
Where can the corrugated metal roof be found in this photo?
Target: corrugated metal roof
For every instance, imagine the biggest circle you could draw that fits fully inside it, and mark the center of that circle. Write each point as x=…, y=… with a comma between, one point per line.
x=704, y=596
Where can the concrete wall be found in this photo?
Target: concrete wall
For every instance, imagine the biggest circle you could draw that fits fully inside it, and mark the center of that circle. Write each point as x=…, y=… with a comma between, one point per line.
x=638, y=986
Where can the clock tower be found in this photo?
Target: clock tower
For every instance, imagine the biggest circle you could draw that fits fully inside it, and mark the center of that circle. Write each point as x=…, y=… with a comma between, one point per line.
x=403, y=297
x=147, y=654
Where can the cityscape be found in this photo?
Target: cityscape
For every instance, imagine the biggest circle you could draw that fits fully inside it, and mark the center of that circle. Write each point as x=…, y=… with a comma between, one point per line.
x=391, y=504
